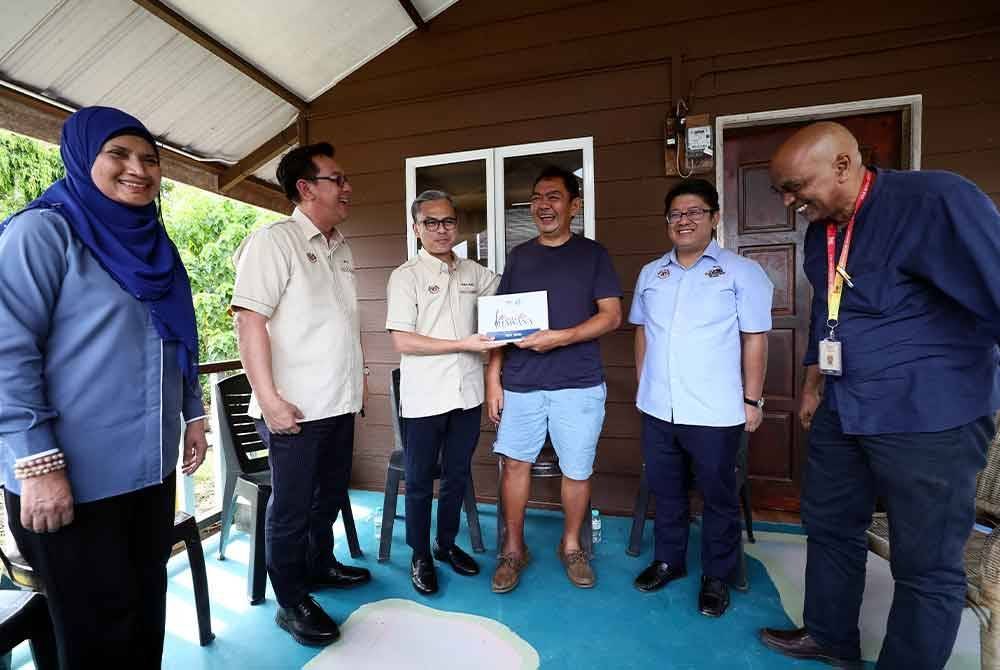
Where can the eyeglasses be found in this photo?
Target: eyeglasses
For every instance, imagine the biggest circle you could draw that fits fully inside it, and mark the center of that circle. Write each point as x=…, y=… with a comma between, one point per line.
x=433, y=225
x=694, y=215
x=338, y=179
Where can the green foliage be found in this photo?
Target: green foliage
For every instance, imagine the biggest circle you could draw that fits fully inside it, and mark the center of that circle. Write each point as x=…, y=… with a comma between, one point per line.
x=206, y=228
x=27, y=168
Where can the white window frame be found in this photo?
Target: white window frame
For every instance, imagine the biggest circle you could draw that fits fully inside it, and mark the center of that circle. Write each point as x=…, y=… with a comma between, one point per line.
x=495, y=211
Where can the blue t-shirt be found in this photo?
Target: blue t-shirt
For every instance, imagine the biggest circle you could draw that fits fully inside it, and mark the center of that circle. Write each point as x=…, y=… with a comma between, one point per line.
x=576, y=274
x=921, y=325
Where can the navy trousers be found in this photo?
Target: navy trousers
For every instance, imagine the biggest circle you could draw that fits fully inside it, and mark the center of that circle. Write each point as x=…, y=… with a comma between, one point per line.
x=928, y=483
x=450, y=439
x=310, y=474
x=667, y=448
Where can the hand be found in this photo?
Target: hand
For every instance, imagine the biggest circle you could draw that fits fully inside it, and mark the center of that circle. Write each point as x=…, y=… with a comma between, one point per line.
x=195, y=446
x=46, y=502
x=807, y=409
x=754, y=416
x=478, y=344
x=494, y=401
x=282, y=417
x=543, y=340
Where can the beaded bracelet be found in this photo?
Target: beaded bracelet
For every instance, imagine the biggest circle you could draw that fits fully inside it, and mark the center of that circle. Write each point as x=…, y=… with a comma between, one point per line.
x=40, y=465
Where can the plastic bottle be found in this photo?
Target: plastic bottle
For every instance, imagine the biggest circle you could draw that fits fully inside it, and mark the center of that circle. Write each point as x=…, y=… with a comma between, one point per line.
x=377, y=522
x=595, y=525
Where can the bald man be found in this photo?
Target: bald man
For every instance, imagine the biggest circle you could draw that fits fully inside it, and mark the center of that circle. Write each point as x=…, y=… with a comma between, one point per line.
x=901, y=381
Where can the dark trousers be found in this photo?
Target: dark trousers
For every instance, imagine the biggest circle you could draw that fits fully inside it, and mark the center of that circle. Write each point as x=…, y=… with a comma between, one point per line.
x=310, y=474
x=105, y=577
x=448, y=439
x=928, y=482
x=667, y=449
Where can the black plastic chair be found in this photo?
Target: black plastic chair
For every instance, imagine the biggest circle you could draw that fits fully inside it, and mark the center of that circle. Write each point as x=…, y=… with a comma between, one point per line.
x=248, y=476
x=396, y=472
x=546, y=466
x=25, y=616
x=641, y=508
x=185, y=530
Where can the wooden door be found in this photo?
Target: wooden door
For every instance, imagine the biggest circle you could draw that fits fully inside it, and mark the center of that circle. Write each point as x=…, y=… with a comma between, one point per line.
x=758, y=226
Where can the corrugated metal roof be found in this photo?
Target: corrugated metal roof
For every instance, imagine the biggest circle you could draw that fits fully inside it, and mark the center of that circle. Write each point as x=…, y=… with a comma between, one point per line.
x=113, y=52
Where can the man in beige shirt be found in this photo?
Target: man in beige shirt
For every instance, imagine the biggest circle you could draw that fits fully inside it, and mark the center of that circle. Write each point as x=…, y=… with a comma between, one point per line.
x=432, y=319
x=300, y=343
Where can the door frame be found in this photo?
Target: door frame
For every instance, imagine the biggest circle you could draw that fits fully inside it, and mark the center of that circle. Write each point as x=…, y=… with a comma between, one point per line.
x=910, y=105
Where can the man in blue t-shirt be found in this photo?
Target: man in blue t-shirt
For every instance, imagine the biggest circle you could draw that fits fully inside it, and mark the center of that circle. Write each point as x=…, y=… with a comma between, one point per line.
x=901, y=378
x=553, y=381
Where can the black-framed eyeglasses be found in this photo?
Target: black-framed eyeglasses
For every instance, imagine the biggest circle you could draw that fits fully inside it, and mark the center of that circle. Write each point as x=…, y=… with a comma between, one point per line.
x=694, y=215
x=338, y=179
x=433, y=225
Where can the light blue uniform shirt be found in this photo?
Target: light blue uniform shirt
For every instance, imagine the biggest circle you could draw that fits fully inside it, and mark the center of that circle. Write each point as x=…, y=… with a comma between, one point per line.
x=692, y=373
x=82, y=367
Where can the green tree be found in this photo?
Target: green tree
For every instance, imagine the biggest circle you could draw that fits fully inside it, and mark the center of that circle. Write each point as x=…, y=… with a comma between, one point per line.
x=205, y=227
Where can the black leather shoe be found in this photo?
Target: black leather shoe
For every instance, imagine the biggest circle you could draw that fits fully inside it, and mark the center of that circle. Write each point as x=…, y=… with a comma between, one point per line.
x=658, y=575
x=713, y=599
x=423, y=575
x=798, y=643
x=308, y=623
x=459, y=561
x=340, y=576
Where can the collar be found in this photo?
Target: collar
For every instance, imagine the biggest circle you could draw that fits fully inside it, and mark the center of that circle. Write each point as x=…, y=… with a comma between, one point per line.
x=310, y=231
x=437, y=265
x=712, y=251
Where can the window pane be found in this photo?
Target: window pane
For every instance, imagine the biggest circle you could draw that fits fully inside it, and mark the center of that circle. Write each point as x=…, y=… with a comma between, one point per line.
x=466, y=182
x=519, y=174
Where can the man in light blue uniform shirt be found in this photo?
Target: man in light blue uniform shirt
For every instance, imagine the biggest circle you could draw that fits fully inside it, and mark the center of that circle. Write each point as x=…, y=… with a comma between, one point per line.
x=701, y=314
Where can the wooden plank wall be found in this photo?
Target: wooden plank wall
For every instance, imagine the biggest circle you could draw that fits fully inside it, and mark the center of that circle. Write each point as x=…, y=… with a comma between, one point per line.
x=491, y=74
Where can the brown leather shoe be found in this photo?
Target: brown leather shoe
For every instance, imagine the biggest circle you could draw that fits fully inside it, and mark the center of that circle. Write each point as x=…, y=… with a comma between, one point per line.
x=798, y=643
x=508, y=572
x=578, y=568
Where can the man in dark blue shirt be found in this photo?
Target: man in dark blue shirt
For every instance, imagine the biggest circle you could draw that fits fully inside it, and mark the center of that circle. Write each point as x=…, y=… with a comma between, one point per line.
x=901, y=379
x=553, y=381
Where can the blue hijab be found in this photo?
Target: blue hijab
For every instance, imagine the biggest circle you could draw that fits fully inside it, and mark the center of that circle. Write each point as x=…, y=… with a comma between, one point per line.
x=129, y=242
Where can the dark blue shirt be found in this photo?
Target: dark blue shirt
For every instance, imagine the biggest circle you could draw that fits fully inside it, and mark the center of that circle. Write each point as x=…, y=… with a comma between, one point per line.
x=920, y=327
x=576, y=274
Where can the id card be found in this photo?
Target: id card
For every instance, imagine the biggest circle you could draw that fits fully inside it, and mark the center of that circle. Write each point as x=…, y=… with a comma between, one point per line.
x=830, y=361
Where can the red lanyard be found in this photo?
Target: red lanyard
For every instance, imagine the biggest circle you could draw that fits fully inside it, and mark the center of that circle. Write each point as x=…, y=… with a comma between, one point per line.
x=835, y=275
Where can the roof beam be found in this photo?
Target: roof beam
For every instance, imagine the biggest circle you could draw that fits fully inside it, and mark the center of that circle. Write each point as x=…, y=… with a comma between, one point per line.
x=418, y=20
x=185, y=27
x=234, y=174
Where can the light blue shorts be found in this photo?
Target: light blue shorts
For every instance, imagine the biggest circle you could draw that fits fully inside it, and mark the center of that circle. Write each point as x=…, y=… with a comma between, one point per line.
x=573, y=417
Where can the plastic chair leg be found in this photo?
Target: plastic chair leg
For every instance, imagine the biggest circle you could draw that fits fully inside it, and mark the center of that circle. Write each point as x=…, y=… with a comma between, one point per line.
x=747, y=511
x=634, y=546
x=228, y=512
x=351, y=530
x=472, y=517
x=186, y=530
x=392, y=478
x=257, y=569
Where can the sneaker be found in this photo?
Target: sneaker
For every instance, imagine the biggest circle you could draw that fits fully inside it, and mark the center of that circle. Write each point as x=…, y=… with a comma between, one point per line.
x=508, y=572
x=578, y=568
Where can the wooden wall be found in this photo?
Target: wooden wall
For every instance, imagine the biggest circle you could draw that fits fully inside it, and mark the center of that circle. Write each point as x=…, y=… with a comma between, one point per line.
x=491, y=73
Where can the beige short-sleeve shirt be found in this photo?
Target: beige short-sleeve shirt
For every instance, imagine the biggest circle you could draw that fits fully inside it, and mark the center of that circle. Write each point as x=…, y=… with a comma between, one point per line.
x=432, y=298
x=305, y=286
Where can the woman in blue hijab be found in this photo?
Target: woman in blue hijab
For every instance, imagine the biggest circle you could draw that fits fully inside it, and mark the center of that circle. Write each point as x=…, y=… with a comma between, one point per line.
x=98, y=380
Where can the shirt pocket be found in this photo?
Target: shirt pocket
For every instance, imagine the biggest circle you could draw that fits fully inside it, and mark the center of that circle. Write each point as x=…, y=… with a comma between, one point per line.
x=714, y=300
x=871, y=288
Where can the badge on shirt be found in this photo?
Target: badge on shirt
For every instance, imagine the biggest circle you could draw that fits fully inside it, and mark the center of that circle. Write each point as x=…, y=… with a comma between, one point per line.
x=346, y=266
x=830, y=358
x=663, y=273
x=434, y=289
x=466, y=287
x=716, y=271
x=311, y=256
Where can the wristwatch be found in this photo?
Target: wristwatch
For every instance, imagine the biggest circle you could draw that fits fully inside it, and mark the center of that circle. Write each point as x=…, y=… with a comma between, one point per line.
x=759, y=404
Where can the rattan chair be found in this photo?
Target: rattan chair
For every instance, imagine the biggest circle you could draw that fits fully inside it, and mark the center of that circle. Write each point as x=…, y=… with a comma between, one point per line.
x=982, y=556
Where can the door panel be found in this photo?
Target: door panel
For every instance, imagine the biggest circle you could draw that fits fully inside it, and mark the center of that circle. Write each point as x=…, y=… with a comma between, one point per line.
x=758, y=226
